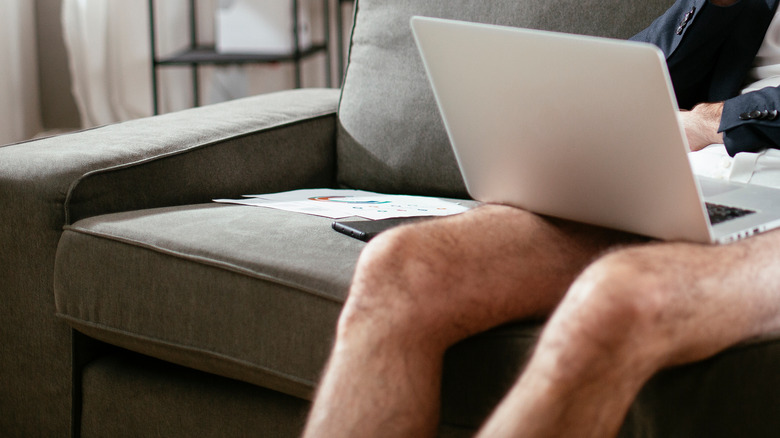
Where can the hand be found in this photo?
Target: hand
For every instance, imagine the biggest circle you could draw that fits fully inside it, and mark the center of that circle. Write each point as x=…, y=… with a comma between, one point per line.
x=701, y=125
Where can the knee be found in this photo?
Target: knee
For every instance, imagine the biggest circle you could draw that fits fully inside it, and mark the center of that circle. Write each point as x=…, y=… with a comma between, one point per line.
x=397, y=282
x=621, y=303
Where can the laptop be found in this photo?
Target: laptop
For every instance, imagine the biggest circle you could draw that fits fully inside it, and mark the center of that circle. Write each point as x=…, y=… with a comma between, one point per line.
x=580, y=128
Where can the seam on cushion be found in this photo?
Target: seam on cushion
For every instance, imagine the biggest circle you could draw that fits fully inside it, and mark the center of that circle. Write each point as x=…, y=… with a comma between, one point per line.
x=145, y=160
x=176, y=345
x=206, y=261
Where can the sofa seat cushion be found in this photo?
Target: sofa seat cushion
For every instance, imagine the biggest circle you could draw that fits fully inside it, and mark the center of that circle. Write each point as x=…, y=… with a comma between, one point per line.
x=245, y=292
x=254, y=294
x=248, y=293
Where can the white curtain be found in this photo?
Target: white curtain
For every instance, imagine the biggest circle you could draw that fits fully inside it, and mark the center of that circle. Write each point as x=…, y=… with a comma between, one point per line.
x=19, y=104
x=109, y=55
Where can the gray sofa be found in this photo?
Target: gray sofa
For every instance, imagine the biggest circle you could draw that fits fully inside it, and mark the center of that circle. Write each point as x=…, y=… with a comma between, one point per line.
x=131, y=305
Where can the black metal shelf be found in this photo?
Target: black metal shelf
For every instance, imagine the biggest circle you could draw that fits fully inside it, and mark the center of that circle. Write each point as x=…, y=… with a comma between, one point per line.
x=196, y=54
x=209, y=55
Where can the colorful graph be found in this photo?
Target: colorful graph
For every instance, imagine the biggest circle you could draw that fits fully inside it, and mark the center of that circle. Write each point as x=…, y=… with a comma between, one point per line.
x=348, y=200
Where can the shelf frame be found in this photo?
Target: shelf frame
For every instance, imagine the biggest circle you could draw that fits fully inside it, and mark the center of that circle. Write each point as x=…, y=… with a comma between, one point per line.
x=197, y=54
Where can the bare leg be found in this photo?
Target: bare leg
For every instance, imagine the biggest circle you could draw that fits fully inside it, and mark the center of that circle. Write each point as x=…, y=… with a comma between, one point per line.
x=420, y=289
x=629, y=315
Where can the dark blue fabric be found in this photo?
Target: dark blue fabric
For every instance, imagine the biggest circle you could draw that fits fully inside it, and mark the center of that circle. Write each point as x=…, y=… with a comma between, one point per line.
x=709, y=56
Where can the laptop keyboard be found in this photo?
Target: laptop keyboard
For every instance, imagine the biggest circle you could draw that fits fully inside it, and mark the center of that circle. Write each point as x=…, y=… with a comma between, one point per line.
x=722, y=213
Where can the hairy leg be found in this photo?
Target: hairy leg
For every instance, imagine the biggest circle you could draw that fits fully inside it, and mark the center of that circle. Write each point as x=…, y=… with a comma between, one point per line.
x=421, y=288
x=631, y=314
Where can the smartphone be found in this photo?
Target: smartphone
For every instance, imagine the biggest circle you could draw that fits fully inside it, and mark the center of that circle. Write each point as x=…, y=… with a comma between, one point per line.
x=366, y=230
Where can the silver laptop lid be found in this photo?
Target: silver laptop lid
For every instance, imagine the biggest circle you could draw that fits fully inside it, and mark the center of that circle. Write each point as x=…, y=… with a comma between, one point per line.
x=576, y=127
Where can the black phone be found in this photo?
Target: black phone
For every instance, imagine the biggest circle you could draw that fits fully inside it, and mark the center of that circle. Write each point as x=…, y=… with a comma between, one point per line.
x=366, y=230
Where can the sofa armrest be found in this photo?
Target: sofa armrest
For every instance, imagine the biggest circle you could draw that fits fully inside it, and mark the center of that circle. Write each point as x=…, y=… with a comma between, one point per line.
x=263, y=144
x=267, y=143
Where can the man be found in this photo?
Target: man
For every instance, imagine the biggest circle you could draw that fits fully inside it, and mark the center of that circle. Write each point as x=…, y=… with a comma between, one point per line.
x=622, y=308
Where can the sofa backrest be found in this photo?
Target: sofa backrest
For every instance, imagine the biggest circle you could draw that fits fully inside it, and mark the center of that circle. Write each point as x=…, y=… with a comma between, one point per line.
x=391, y=138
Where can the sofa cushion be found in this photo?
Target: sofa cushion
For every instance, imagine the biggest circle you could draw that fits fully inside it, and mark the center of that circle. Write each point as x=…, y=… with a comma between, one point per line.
x=247, y=293
x=244, y=292
x=254, y=295
x=391, y=137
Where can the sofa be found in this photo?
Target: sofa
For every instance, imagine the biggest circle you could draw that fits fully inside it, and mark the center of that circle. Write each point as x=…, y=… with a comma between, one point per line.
x=131, y=305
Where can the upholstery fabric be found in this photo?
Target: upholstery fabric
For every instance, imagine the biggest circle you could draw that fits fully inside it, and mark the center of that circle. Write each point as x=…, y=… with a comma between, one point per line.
x=127, y=395
x=731, y=394
x=472, y=388
x=246, y=292
x=46, y=183
x=391, y=137
x=213, y=151
x=200, y=286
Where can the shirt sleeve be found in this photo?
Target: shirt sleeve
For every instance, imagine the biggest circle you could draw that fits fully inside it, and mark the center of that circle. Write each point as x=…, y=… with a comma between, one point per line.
x=751, y=122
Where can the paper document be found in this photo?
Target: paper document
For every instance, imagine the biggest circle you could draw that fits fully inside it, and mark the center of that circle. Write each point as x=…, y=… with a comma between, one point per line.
x=339, y=204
